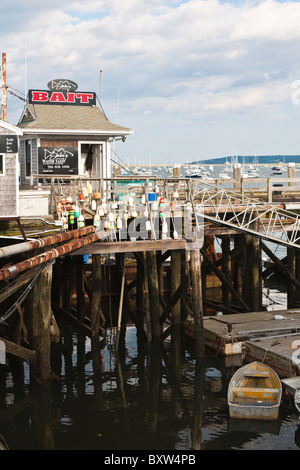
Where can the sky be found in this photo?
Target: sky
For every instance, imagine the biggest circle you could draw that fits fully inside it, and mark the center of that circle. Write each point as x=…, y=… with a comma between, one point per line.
x=193, y=79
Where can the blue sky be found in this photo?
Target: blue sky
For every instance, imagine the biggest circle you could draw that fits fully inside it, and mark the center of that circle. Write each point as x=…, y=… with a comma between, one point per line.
x=193, y=79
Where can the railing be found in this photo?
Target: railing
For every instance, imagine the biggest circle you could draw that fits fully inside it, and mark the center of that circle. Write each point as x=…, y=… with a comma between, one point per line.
x=224, y=206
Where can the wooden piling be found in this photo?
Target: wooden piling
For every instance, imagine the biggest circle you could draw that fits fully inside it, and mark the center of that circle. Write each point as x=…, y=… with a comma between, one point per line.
x=226, y=268
x=175, y=283
x=96, y=294
x=154, y=293
x=195, y=266
x=41, y=323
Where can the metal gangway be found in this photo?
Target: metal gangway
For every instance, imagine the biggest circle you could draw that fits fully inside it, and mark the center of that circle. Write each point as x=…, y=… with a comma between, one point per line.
x=227, y=208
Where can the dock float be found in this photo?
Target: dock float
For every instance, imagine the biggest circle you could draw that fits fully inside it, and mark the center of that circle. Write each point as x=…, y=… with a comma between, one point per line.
x=269, y=337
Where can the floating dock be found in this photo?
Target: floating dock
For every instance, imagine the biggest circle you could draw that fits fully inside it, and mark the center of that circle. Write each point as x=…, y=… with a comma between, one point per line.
x=269, y=337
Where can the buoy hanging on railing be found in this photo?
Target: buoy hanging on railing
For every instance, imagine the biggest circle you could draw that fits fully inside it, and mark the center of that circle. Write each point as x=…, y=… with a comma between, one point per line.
x=101, y=211
x=111, y=217
x=81, y=197
x=143, y=200
x=80, y=221
x=59, y=209
x=65, y=222
x=164, y=228
x=148, y=225
x=94, y=205
x=76, y=211
x=154, y=206
x=119, y=223
x=97, y=219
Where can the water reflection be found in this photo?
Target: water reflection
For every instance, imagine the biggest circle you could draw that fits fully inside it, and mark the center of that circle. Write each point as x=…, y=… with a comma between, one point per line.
x=162, y=398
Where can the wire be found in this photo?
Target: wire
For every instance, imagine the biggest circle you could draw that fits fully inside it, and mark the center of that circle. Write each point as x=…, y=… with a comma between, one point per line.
x=23, y=296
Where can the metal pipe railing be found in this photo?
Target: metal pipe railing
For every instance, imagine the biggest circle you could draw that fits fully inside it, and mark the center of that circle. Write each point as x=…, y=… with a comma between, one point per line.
x=46, y=241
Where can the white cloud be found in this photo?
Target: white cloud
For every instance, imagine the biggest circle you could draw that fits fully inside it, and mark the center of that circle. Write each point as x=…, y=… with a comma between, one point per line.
x=187, y=61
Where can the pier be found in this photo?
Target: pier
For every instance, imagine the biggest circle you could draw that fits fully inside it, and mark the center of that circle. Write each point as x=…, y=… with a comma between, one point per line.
x=146, y=244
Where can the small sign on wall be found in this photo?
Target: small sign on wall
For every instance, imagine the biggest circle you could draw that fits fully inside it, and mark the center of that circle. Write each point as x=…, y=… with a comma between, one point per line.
x=58, y=161
x=8, y=144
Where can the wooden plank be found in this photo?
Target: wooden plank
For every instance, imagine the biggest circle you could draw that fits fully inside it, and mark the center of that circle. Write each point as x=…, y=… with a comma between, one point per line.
x=19, y=351
x=18, y=283
x=225, y=281
x=276, y=351
x=131, y=246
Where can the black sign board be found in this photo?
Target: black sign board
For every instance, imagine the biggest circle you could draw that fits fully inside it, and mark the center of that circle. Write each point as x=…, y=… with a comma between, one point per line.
x=77, y=98
x=61, y=84
x=8, y=144
x=57, y=161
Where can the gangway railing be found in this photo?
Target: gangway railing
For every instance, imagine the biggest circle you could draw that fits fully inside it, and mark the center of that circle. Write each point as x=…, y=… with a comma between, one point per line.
x=257, y=218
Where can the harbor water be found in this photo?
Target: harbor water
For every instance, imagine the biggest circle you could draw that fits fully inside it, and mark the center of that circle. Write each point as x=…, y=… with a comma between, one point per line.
x=135, y=400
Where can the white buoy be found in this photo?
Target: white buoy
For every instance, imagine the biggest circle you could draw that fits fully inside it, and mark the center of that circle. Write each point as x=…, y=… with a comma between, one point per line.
x=111, y=217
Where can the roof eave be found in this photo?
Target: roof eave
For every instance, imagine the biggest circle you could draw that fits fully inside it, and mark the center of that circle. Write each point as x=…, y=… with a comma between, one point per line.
x=77, y=131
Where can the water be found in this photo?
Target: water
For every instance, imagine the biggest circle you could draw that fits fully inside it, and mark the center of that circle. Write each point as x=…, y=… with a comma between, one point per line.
x=132, y=400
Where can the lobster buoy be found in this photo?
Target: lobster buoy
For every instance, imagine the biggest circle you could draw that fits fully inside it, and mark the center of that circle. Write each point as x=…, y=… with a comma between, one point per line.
x=59, y=209
x=97, y=196
x=154, y=205
x=164, y=227
x=64, y=220
x=81, y=197
x=148, y=225
x=94, y=205
x=111, y=217
x=173, y=206
x=80, y=221
x=96, y=221
x=119, y=223
x=77, y=211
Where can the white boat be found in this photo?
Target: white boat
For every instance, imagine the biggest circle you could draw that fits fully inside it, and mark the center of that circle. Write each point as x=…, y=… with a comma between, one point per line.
x=224, y=175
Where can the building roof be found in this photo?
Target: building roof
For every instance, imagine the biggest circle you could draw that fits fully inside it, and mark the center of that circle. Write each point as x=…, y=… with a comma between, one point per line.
x=10, y=127
x=43, y=118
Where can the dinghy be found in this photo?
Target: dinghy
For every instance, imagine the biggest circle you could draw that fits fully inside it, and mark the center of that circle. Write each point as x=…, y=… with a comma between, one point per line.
x=254, y=392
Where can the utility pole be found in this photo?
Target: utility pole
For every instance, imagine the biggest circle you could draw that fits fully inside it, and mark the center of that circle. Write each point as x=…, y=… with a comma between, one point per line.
x=4, y=90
